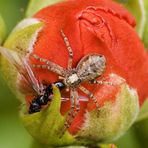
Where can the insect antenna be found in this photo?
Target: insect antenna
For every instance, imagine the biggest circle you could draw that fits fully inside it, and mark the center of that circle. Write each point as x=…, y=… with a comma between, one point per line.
x=35, y=83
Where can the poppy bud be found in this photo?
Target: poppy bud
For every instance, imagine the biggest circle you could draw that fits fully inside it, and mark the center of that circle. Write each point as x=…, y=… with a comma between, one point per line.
x=84, y=28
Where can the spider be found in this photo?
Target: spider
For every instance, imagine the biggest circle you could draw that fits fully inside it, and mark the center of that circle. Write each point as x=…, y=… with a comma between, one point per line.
x=88, y=69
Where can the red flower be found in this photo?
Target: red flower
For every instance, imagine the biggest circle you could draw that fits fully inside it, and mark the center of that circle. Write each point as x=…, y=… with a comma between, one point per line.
x=93, y=26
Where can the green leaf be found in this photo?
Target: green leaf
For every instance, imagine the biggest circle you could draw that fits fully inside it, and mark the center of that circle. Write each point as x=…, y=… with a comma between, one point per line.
x=36, y=5
x=145, y=35
x=144, y=111
x=2, y=30
x=141, y=129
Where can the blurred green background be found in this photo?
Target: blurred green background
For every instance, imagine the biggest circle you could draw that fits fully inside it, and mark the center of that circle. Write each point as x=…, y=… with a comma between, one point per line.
x=12, y=133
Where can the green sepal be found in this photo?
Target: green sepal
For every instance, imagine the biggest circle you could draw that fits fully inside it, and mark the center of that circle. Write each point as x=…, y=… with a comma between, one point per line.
x=2, y=30
x=113, y=119
x=46, y=126
x=36, y=5
x=143, y=111
x=18, y=42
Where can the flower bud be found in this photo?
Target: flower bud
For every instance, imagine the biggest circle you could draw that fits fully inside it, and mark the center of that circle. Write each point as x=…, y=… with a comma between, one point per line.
x=89, y=27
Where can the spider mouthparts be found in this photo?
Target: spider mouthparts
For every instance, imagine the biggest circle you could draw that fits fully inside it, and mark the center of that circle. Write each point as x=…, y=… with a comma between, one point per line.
x=61, y=78
x=67, y=89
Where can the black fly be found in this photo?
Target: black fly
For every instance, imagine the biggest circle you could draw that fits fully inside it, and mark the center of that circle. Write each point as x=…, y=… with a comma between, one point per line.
x=42, y=93
x=40, y=100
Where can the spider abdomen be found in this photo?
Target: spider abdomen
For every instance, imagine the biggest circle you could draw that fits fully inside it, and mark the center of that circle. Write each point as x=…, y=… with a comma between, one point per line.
x=91, y=66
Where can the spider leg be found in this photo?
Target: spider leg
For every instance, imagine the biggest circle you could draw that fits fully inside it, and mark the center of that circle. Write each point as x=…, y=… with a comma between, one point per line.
x=50, y=68
x=87, y=92
x=77, y=105
x=71, y=115
x=77, y=101
x=50, y=65
x=69, y=49
x=101, y=82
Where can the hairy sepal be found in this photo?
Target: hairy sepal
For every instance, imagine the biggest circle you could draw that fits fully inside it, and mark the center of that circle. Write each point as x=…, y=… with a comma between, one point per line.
x=20, y=41
x=114, y=118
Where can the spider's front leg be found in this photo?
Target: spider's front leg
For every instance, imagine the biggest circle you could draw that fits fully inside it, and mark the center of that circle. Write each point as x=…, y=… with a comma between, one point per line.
x=101, y=82
x=49, y=65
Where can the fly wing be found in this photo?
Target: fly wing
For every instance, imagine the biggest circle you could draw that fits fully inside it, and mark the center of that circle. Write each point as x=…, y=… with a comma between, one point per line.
x=35, y=83
x=91, y=66
x=23, y=68
x=8, y=55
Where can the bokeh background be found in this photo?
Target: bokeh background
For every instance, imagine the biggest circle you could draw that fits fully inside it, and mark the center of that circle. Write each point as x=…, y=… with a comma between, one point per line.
x=12, y=132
